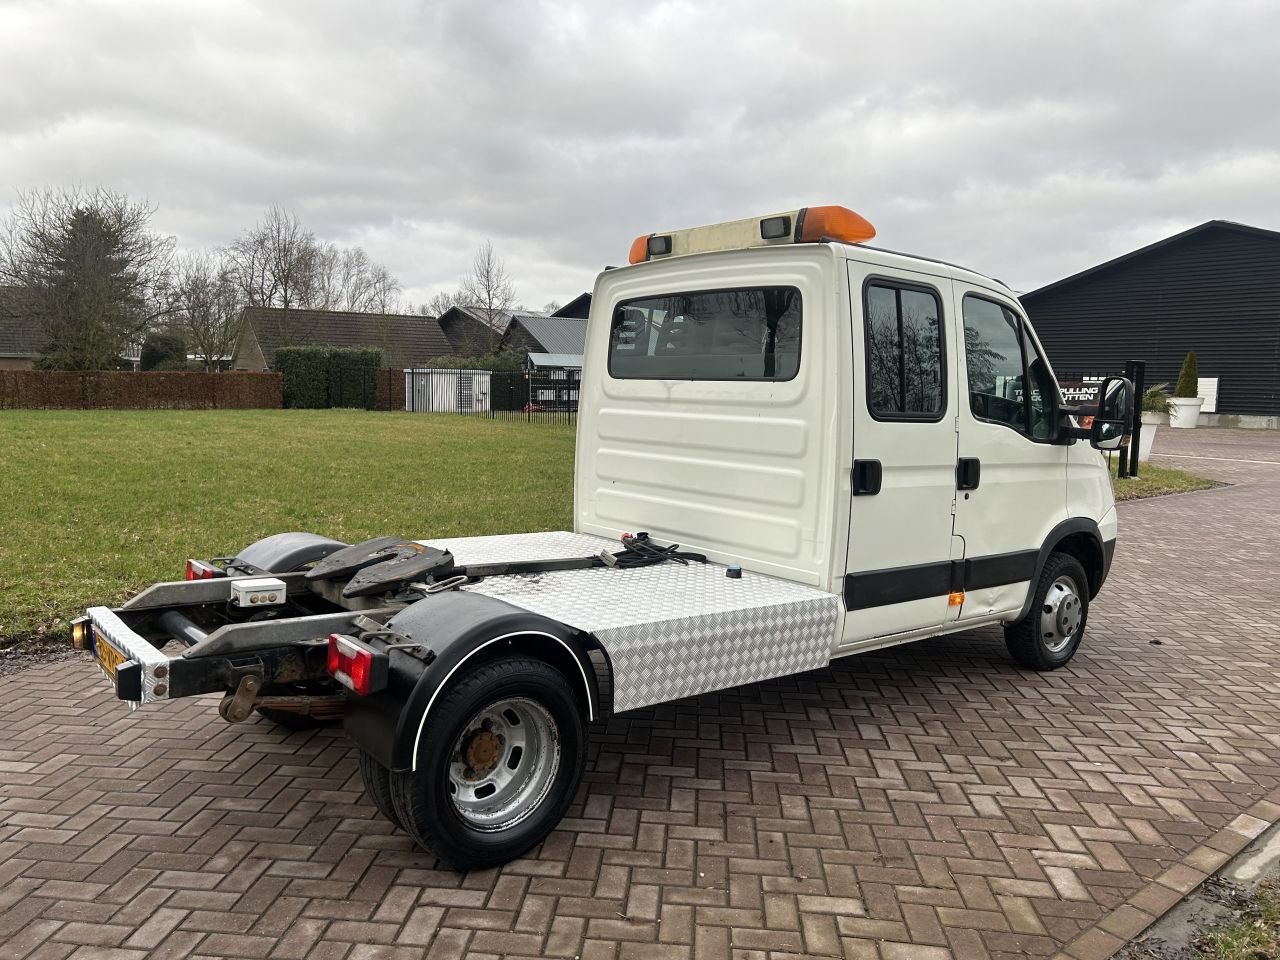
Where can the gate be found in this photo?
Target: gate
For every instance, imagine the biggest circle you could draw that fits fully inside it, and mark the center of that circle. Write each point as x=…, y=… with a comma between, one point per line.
x=538, y=396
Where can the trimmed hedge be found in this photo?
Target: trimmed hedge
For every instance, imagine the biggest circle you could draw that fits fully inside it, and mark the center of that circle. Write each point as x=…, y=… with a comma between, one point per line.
x=306, y=376
x=352, y=376
x=321, y=377
x=114, y=390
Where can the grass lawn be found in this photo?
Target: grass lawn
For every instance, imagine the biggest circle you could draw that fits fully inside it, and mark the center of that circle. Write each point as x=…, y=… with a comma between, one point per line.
x=94, y=504
x=1155, y=481
x=1255, y=935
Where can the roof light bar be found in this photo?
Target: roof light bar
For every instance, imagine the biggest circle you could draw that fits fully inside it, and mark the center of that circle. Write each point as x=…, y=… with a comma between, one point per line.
x=806, y=225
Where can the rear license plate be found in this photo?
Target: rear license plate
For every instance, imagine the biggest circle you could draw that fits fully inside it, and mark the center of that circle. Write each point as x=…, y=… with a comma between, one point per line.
x=109, y=658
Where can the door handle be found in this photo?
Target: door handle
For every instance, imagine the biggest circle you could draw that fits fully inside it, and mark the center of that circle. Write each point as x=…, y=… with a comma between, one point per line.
x=867, y=478
x=968, y=473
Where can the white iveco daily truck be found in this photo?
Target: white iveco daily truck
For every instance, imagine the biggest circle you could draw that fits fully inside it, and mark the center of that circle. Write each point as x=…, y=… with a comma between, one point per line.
x=822, y=448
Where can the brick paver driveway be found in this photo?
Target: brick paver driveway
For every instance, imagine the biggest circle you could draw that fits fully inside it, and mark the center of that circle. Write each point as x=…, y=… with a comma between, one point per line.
x=927, y=802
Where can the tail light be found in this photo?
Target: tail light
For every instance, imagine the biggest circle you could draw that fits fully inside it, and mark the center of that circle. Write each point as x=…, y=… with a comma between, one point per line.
x=356, y=665
x=199, y=570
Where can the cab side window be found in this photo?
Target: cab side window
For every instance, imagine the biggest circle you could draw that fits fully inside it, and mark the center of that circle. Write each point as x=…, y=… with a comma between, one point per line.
x=1009, y=382
x=904, y=352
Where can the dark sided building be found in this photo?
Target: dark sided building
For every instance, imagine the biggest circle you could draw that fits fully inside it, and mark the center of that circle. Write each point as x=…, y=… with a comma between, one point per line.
x=578, y=307
x=1214, y=289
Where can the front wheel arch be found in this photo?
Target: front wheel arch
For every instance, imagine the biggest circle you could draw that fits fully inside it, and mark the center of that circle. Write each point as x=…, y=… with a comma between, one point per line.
x=1078, y=537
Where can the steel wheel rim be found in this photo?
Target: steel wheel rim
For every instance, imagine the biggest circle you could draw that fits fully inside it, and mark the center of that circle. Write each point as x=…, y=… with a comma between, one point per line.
x=503, y=763
x=1062, y=615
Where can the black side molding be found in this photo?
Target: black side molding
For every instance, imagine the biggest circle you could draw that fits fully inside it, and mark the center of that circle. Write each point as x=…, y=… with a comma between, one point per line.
x=999, y=569
x=878, y=588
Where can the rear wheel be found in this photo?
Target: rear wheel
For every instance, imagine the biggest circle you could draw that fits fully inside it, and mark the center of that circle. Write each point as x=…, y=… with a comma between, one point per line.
x=1049, y=635
x=377, y=784
x=498, y=765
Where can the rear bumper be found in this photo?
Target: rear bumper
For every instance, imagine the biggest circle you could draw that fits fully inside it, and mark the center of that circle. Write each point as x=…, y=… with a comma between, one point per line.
x=280, y=653
x=139, y=672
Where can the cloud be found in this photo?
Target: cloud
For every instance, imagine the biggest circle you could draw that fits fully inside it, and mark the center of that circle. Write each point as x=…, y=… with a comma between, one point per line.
x=1026, y=140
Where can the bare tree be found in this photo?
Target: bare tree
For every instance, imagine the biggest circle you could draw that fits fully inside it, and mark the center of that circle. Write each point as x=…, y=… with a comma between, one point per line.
x=349, y=279
x=489, y=291
x=273, y=265
x=207, y=302
x=279, y=263
x=440, y=304
x=551, y=306
x=93, y=272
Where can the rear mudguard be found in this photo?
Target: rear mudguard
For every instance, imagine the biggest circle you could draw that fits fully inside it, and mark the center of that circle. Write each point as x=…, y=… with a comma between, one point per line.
x=446, y=633
x=283, y=553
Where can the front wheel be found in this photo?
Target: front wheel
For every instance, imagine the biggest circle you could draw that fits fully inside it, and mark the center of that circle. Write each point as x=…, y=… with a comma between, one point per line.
x=501, y=757
x=1049, y=635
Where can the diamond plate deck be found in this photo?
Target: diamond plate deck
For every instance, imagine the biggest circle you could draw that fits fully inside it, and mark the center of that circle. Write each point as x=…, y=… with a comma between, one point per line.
x=670, y=630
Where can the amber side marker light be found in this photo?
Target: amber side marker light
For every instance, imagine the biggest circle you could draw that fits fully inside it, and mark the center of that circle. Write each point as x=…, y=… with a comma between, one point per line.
x=955, y=599
x=81, y=635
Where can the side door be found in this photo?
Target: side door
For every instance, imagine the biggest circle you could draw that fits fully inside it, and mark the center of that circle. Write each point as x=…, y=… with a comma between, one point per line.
x=1012, y=469
x=899, y=572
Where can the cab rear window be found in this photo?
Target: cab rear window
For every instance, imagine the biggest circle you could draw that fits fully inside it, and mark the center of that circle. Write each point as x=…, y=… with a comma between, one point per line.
x=750, y=333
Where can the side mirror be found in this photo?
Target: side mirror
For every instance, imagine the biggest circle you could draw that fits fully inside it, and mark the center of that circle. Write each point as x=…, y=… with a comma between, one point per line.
x=1114, y=417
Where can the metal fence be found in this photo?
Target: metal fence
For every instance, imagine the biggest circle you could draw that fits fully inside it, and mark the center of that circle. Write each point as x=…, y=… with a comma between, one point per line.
x=542, y=395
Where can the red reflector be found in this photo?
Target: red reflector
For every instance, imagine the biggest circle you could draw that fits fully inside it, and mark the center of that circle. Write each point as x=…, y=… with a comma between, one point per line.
x=355, y=665
x=198, y=570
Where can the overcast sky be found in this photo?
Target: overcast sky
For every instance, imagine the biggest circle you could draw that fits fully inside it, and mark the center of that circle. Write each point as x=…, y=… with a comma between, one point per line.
x=1026, y=139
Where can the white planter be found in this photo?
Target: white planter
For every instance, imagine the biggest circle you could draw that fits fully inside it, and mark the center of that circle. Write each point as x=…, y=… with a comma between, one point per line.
x=1150, y=423
x=1185, y=412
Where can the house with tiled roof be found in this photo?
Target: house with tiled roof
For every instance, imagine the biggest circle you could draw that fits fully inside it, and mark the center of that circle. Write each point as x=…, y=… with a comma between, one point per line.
x=21, y=338
x=405, y=340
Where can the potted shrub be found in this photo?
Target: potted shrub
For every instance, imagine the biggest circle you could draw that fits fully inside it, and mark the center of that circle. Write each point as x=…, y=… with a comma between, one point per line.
x=1155, y=410
x=1156, y=407
x=1185, y=410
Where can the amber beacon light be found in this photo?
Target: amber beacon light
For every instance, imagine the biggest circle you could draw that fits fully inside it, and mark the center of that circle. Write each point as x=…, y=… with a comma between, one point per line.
x=832, y=223
x=806, y=225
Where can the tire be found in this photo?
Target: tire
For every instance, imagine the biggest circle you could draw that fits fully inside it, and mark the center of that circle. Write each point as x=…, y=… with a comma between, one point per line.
x=1049, y=635
x=377, y=784
x=498, y=765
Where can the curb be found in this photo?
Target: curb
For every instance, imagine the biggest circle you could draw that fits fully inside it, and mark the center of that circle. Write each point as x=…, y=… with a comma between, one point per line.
x=1132, y=918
